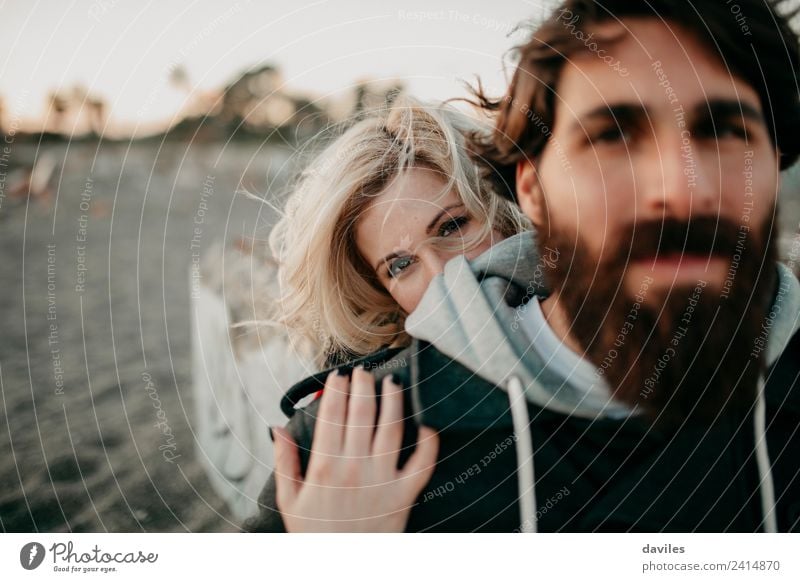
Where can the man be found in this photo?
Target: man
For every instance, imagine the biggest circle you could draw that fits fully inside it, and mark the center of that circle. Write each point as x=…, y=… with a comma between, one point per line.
x=635, y=365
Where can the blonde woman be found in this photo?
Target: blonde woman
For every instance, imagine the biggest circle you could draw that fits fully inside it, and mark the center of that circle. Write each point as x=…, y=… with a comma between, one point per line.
x=372, y=220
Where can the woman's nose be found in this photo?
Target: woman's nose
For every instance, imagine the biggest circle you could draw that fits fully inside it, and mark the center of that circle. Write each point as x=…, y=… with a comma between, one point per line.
x=433, y=261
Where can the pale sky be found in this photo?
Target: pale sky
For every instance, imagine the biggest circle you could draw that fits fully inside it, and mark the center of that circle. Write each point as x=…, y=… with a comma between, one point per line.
x=123, y=50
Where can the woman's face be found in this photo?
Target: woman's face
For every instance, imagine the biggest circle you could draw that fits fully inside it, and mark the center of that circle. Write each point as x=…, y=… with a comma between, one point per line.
x=392, y=232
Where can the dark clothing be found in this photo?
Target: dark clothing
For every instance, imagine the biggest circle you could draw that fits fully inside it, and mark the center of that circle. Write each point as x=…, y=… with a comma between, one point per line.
x=591, y=475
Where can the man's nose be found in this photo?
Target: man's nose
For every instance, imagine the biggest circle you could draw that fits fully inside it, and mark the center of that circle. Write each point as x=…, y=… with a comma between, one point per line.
x=679, y=178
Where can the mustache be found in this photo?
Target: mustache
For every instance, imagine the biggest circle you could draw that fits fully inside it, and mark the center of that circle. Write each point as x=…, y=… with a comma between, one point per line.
x=702, y=235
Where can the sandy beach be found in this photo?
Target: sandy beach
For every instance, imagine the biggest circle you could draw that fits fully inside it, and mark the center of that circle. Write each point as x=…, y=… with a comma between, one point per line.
x=97, y=412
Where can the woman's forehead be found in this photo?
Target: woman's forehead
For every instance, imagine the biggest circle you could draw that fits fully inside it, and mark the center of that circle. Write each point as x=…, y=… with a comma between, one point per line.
x=418, y=189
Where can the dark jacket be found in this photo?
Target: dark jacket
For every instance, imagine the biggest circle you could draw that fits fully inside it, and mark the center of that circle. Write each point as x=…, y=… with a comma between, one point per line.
x=601, y=475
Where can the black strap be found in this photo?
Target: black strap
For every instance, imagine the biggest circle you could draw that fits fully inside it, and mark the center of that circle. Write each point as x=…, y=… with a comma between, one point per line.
x=316, y=382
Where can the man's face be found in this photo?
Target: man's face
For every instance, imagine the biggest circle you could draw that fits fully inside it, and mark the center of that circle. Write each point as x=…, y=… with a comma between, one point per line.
x=678, y=138
x=660, y=189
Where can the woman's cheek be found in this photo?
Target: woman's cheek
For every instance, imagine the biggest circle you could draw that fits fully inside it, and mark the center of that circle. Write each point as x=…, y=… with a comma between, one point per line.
x=410, y=292
x=399, y=292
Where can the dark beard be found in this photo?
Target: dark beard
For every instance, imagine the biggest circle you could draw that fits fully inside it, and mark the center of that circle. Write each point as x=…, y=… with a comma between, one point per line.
x=689, y=356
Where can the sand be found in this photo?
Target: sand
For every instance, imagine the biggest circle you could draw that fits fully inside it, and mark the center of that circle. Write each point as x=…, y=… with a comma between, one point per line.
x=96, y=424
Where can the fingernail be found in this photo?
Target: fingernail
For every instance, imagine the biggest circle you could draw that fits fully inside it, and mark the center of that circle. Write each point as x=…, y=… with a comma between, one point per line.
x=271, y=435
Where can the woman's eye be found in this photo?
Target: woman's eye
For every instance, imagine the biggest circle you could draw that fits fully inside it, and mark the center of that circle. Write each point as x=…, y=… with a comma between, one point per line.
x=453, y=225
x=399, y=265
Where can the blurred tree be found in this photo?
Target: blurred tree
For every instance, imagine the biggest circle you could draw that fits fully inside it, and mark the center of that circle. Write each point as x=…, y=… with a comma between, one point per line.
x=97, y=114
x=371, y=95
x=179, y=78
x=76, y=111
x=248, y=92
x=57, y=107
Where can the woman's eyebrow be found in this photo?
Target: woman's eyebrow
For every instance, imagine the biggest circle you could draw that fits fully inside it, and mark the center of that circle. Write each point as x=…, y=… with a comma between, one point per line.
x=439, y=215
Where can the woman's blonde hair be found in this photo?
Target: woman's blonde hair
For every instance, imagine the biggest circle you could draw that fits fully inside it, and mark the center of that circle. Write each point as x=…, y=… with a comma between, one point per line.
x=330, y=300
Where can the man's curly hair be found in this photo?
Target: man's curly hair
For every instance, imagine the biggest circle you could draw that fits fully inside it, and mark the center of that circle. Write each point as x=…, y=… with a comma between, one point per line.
x=765, y=54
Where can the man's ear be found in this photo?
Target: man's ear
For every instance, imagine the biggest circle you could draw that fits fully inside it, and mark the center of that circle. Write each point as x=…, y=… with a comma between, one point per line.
x=529, y=193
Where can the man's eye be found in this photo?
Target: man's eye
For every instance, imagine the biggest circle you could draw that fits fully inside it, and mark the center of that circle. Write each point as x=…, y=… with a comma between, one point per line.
x=730, y=130
x=453, y=225
x=719, y=129
x=398, y=265
x=612, y=134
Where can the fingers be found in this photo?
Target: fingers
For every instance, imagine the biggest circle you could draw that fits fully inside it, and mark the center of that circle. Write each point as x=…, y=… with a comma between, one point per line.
x=361, y=411
x=329, y=427
x=389, y=434
x=288, y=478
x=419, y=467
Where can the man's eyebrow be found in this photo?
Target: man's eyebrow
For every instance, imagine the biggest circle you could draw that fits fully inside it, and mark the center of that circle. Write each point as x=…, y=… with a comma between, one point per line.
x=724, y=108
x=619, y=112
x=439, y=215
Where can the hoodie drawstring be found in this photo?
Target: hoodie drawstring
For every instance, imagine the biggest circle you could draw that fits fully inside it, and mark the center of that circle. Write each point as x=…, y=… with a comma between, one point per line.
x=766, y=486
x=526, y=476
x=525, y=470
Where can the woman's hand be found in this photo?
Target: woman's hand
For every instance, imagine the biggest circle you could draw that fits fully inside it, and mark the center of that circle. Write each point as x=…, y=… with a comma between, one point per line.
x=352, y=482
